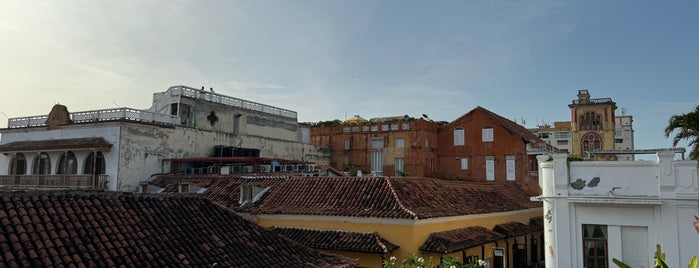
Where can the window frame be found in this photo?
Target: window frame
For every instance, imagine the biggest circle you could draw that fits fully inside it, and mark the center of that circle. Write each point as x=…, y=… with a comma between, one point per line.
x=488, y=134
x=459, y=136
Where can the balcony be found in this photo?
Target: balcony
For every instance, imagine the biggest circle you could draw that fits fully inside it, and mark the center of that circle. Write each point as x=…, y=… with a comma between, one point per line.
x=54, y=181
x=98, y=116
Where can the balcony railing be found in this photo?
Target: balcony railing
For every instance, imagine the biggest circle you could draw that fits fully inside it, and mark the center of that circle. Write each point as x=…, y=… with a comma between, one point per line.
x=54, y=181
x=98, y=116
x=230, y=101
x=594, y=101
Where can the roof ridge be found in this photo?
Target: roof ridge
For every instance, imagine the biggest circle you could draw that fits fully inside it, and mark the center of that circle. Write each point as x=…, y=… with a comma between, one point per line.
x=400, y=203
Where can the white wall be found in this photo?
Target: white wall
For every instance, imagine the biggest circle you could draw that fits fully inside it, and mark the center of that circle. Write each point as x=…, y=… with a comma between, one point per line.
x=655, y=203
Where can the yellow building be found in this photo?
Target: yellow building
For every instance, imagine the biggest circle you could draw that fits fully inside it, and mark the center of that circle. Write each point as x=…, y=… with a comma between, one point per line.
x=373, y=218
x=593, y=125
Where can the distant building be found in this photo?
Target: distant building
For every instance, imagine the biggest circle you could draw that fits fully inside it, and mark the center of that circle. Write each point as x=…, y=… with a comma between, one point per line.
x=595, y=211
x=117, y=148
x=109, y=229
x=594, y=132
x=478, y=146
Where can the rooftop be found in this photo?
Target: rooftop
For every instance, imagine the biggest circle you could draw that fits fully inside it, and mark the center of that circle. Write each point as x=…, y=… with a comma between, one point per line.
x=108, y=229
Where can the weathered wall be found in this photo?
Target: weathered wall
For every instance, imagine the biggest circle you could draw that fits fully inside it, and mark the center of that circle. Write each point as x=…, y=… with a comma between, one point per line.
x=143, y=147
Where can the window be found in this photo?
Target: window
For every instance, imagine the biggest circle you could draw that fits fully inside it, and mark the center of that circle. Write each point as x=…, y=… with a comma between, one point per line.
x=562, y=142
x=544, y=135
x=487, y=134
x=490, y=168
x=459, y=137
x=394, y=126
x=347, y=144
x=67, y=164
x=562, y=135
x=590, y=121
x=18, y=165
x=42, y=164
x=619, y=140
x=510, y=163
x=376, y=144
x=400, y=143
x=94, y=165
x=346, y=160
x=464, y=163
x=376, y=162
x=400, y=163
x=594, y=245
x=591, y=141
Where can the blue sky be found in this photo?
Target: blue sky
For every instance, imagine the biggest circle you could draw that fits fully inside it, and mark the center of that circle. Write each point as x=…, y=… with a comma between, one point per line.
x=333, y=59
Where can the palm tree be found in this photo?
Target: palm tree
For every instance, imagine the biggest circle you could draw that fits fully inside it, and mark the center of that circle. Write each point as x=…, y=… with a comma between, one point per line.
x=687, y=128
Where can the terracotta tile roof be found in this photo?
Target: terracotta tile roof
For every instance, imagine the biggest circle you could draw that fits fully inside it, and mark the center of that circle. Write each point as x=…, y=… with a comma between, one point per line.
x=459, y=239
x=109, y=229
x=59, y=144
x=221, y=189
x=537, y=223
x=338, y=240
x=512, y=229
x=406, y=198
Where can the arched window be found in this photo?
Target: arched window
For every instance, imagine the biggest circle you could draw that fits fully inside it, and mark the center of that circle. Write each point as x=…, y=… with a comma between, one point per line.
x=590, y=121
x=18, y=165
x=42, y=164
x=67, y=164
x=98, y=162
x=459, y=136
x=591, y=141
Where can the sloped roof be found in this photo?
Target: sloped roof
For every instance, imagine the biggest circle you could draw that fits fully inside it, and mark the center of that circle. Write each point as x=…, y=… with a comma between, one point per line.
x=512, y=229
x=382, y=197
x=459, y=239
x=109, y=229
x=338, y=240
x=509, y=125
x=58, y=144
x=221, y=189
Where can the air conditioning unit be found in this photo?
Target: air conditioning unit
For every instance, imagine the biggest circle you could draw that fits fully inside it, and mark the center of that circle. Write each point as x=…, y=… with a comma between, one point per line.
x=311, y=168
x=265, y=168
x=248, y=169
x=225, y=170
x=236, y=169
x=289, y=168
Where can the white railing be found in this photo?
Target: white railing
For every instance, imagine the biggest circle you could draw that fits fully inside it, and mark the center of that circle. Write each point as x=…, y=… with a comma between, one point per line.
x=54, y=181
x=235, y=102
x=98, y=116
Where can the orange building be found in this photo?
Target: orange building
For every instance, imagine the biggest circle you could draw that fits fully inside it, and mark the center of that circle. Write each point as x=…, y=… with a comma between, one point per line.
x=478, y=146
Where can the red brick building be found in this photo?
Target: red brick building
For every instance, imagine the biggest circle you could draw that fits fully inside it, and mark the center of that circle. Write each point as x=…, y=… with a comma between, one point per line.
x=479, y=146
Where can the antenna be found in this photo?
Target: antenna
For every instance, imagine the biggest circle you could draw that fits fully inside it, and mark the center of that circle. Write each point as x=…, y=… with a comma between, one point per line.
x=117, y=105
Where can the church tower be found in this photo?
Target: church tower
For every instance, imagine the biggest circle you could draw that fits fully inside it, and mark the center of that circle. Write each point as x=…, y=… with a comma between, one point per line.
x=592, y=123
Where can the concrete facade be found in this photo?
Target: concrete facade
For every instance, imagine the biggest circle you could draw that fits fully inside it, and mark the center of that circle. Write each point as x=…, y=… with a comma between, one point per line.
x=634, y=205
x=183, y=122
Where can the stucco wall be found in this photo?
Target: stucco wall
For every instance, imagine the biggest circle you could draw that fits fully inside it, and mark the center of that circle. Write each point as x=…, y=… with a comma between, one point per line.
x=408, y=234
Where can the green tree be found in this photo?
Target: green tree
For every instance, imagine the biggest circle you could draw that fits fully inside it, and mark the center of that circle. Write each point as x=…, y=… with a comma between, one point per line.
x=686, y=127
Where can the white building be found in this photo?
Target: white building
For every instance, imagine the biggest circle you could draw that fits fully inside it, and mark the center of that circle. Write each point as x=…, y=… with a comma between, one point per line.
x=118, y=148
x=595, y=211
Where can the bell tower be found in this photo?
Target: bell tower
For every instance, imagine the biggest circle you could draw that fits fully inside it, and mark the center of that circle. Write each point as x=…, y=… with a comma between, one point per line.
x=592, y=125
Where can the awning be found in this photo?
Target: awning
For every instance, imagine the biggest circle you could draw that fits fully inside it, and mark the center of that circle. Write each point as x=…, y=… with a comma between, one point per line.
x=93, y=143
x=337, y=240
x=459, y=239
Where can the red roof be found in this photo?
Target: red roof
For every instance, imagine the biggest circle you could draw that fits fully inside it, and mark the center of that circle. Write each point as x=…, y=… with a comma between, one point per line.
x=109, y=229
x=403, y=198
x=338, y=240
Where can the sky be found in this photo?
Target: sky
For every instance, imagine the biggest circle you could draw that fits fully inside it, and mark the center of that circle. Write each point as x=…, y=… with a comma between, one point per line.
x=325, y=59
